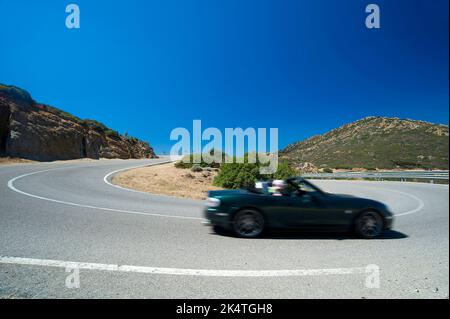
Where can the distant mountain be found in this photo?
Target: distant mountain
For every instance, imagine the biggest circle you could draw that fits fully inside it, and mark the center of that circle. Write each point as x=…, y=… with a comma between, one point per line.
x=375, y=142
x=41, y=132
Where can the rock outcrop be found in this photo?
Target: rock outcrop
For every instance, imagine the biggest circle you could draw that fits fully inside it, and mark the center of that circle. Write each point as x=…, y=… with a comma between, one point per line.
x=40, y=132
x=306, y=167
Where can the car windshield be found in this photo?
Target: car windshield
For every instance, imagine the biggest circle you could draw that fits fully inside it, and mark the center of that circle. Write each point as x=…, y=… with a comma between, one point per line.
x=293, y=186
x=305, y=186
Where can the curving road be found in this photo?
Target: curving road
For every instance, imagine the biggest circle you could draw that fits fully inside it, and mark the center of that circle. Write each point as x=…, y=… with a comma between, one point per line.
x=128, y=244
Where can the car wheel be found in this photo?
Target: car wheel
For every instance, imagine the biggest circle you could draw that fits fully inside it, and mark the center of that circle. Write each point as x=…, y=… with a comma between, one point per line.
x=369, y=225
x=248, y=223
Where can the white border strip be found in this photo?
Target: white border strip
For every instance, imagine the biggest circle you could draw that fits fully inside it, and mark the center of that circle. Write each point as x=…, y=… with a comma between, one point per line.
x=415, y=210
x=107, y=177
x=12, y=187
x=418, y=208
x=417, y=199
x=181, y=271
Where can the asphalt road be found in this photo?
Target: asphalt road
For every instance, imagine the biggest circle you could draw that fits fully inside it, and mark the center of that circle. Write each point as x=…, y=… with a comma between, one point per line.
x=127, y=244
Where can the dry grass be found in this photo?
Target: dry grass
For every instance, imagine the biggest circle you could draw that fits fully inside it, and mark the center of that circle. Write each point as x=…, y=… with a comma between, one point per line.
x=12, y=160
x=166, y=179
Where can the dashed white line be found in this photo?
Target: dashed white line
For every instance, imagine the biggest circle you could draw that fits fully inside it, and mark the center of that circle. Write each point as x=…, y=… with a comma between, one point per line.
x=181, y=271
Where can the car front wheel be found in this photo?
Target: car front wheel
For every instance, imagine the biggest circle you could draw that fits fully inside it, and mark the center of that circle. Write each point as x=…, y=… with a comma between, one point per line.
x=369, y=225
x=248, y=223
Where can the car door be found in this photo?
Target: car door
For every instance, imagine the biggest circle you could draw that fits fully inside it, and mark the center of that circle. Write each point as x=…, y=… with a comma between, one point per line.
x=310, y=208
x=306, y=211
x=321, y=211
x=295, y=211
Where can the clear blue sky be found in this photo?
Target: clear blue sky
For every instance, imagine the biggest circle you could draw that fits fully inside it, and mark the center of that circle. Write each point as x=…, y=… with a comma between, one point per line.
x=305, y=67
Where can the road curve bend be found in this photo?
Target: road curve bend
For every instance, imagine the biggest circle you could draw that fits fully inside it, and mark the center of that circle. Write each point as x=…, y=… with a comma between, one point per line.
x=55, y=217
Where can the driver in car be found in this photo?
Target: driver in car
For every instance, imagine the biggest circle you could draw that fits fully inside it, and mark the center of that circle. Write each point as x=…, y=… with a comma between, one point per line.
x=279, y=188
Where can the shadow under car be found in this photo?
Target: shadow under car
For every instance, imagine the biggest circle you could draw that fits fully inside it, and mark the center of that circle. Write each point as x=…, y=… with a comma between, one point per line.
x=315, y=235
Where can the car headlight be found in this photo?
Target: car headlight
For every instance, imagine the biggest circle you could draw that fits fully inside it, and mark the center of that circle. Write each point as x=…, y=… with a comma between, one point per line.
x=212, y=202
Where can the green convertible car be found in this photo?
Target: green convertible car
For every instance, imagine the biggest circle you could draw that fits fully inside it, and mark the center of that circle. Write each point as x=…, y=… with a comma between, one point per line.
x=303, y=206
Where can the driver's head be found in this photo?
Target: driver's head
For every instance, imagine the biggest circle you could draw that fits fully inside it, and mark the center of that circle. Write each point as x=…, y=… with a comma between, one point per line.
x=280, y=184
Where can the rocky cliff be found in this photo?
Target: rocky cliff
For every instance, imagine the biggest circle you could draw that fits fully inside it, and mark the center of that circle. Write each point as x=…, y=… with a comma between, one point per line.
x=40, y=132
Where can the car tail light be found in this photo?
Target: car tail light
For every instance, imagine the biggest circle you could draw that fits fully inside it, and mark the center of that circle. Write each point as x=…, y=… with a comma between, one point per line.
x=212, y=202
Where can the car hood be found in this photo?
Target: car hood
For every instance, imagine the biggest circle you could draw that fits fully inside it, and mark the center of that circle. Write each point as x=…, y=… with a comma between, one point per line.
x=342, y=195
x=227, y=192
x=365, y=201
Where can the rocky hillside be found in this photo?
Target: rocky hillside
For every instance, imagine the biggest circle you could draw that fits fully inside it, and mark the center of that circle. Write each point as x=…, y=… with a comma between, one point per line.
x=40, y=132
x=375, y=142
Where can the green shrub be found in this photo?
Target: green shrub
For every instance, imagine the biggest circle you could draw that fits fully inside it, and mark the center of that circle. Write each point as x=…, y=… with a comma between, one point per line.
x=239, y=175
x=112, y=134
x=95, y=125
x=61, y=113
x=327, y=170
x=284, y=170
x=344, y=167
x=188, y=162
x=131, y=139
x=196, y=168
x=181, y=164
x=406, y=164
x=16, y=93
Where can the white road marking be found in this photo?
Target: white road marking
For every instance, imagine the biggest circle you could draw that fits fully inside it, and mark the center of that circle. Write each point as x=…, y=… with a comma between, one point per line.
x=107, y=176
x=415, y=210
x=173, y=271
x=418, y=208
x=181, y=271
x=105, y=179
x=417, y=199
x=12, y=187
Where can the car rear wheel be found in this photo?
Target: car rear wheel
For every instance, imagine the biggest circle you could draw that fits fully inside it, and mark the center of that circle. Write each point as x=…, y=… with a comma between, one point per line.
x=369, y=225
x=248, y=223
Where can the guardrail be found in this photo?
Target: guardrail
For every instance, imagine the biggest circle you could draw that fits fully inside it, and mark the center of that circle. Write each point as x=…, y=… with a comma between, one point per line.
x=428, y=175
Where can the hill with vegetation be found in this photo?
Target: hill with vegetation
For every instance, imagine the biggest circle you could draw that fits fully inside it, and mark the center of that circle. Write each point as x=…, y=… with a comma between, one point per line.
x=375, y=143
